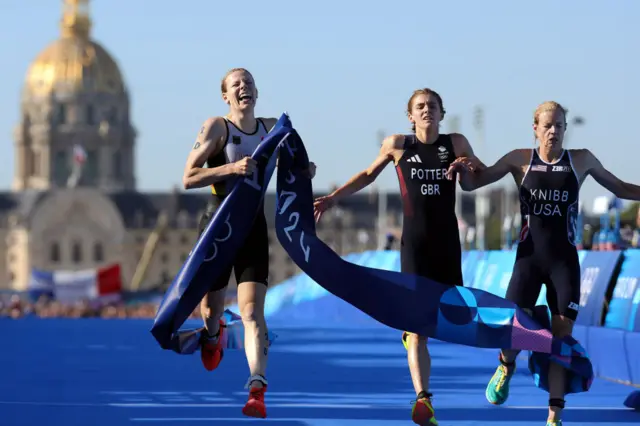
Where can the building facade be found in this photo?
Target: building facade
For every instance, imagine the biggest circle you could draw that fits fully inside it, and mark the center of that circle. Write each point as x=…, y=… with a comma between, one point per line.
x=74, y=204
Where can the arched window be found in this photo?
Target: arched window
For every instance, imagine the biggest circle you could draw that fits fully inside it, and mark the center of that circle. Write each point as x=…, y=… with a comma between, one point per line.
x=118, y=169
x=54, y=252
x=91, y=115
x=91, y=167
x=61, y=114
x=61, y=167
x=98, y=252
x=76, y=252
x=112, y=115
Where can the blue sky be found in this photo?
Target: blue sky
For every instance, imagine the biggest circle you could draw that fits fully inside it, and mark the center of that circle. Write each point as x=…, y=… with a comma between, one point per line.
x=344, y=71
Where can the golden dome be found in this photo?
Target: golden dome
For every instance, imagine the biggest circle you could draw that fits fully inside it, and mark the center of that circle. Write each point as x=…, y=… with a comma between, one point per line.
x=74, y=63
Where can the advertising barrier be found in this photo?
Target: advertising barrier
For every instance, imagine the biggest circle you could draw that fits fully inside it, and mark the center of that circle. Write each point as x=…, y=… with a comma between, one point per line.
x=472, y=262
x=612, y=347
x=494, y=272
x=621, y=312
x=597, y=272
x=634, y=316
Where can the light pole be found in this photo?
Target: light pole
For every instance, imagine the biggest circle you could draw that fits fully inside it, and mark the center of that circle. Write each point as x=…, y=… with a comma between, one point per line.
x=482, y=204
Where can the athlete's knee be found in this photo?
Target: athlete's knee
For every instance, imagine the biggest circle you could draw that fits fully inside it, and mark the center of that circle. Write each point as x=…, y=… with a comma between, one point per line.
x=252, y=313
x=561, y=326
x=212, y=305
x=204, y=309
x=251, y=298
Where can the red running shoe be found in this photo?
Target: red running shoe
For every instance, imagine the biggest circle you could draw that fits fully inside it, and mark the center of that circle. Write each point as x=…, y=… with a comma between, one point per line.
x=255, y=406
x=211, y=351
x=422, y=413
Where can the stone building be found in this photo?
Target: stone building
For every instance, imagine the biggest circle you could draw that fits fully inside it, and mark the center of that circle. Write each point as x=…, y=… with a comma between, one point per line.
x=74, y=95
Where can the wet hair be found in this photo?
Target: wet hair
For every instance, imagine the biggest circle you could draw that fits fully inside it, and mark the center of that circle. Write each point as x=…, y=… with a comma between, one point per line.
x=223, y=84
x=425, y=92
x=549, y=106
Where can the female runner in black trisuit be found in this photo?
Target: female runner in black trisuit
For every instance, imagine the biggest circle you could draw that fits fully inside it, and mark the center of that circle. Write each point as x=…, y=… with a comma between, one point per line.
x=549, y=179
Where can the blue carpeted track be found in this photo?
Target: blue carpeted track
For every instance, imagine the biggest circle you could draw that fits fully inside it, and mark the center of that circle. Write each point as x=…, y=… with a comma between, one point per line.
x=112, y=372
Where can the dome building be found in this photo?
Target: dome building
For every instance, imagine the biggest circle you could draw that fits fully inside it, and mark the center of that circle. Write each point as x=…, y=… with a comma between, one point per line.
x=74, y=205
x=74, y=96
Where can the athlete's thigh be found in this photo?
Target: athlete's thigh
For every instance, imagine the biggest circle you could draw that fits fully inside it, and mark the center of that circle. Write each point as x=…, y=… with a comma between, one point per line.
x=525, y=283
x=443, y=266
x=446, y=271
x=409, y=258
x=252, y=261
x=447, y=265
x=563, y=288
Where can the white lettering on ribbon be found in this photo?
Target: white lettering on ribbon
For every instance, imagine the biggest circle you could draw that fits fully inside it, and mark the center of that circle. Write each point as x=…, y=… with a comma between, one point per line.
x=294, y=217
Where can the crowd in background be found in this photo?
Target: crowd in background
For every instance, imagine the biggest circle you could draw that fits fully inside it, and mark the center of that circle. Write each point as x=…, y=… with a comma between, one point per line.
x=20, y=306
x=15, y=306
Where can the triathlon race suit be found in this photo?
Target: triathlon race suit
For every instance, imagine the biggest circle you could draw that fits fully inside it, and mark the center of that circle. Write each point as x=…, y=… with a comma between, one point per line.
x=430, y=244
x=546, y=250
x=252, y=260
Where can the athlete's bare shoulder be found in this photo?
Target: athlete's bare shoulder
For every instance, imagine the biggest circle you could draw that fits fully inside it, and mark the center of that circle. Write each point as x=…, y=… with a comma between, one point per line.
x=269, y=122
x=457, y=138
x=580, y=154
x=393, y=147
x=213, y=128
x=393, y=143
x=578, y=151
x=461, y=145
x=516, y=160
x=210, y=140
x=520, y=156
x=583, y=161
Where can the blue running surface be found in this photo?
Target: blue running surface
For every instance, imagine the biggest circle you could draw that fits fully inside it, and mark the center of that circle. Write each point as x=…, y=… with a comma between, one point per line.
x=110, y=372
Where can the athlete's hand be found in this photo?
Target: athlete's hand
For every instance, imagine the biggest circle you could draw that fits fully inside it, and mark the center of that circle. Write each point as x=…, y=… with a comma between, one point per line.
x=462, y=164
x=321, y=205
x=245, y=167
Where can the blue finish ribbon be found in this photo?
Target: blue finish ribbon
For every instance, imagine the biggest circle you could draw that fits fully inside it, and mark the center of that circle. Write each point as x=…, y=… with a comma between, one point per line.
x=405, y=302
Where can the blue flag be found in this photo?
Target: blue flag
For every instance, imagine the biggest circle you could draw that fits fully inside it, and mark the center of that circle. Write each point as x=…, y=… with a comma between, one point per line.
x=405, y=302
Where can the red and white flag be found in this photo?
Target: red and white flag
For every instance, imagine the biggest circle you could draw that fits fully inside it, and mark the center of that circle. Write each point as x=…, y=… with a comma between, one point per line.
x=91, y=284
x=79, y=154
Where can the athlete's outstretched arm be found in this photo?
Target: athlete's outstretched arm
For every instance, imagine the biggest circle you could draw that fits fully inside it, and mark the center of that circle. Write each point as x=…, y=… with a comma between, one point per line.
x=489, y=175
x=604, y=177
x=361, y=180
x=366, y=177
x=209, y=142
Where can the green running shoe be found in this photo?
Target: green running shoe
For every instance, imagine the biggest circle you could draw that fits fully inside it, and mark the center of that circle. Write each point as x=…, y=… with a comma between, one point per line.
x=405, y=340
x=498, y=388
